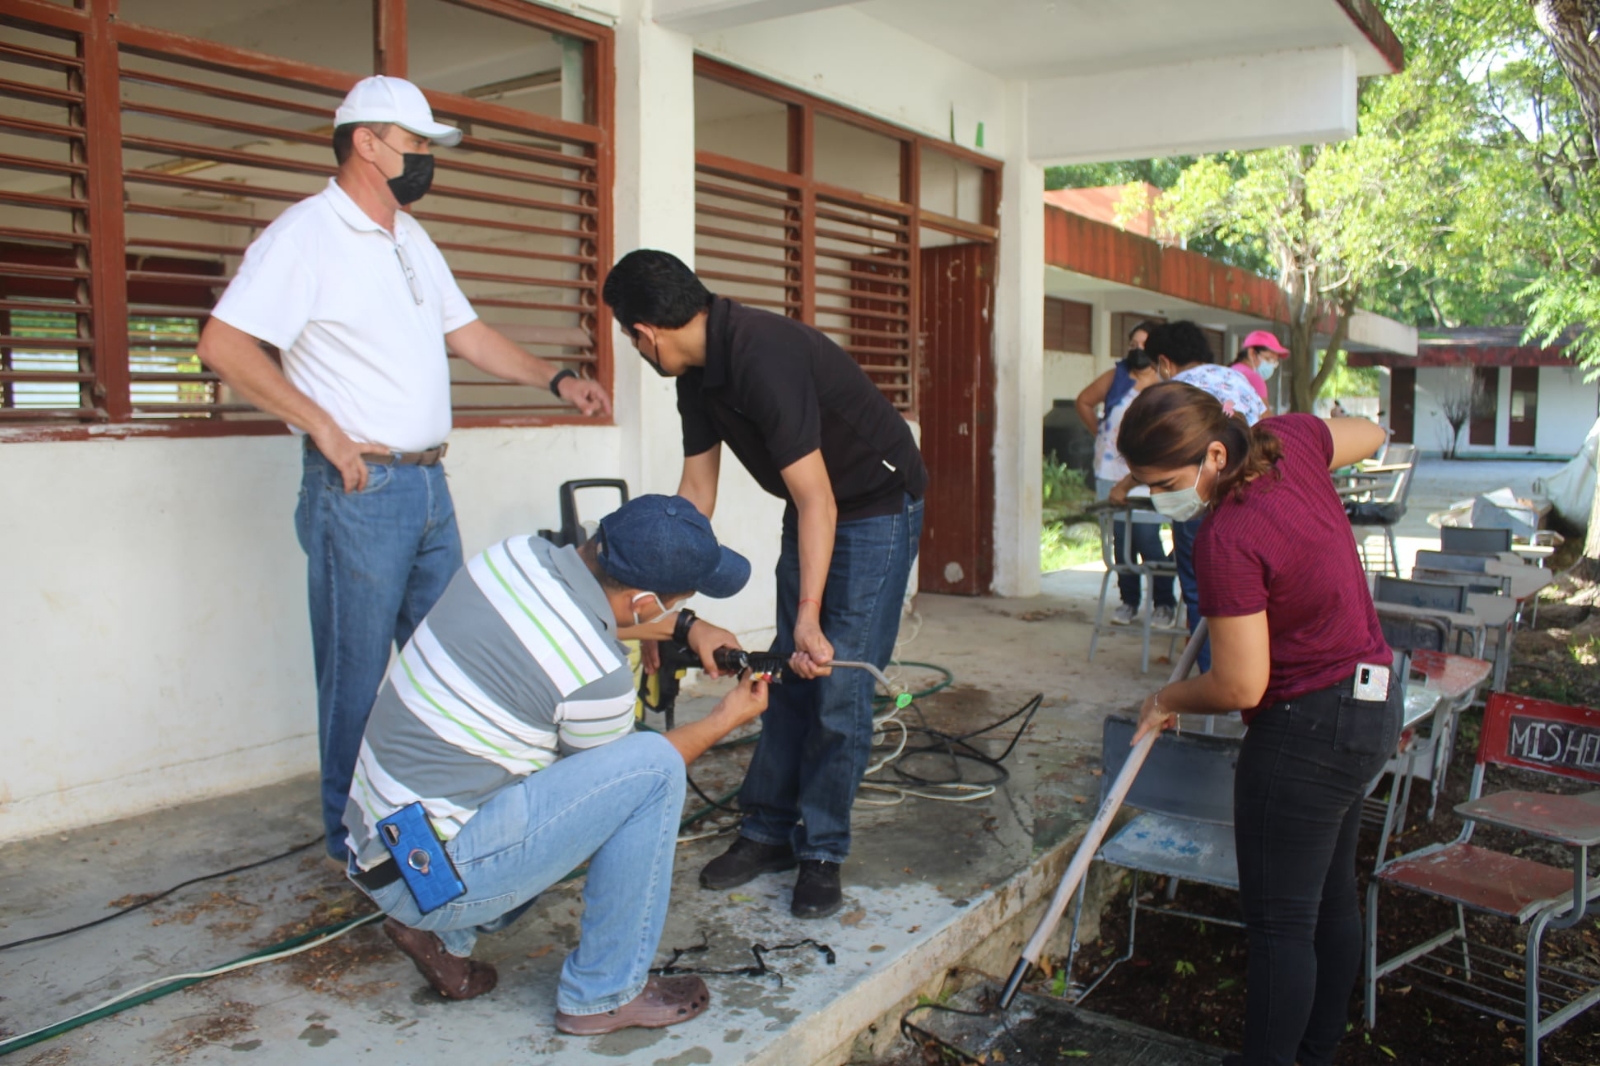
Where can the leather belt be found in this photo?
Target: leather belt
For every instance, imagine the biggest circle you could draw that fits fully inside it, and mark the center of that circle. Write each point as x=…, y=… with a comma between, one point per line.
x=385, y=873
x=430, y=457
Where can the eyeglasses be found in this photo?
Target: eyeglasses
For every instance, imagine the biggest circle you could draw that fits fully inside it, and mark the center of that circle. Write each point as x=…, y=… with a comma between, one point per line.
x=411, y=275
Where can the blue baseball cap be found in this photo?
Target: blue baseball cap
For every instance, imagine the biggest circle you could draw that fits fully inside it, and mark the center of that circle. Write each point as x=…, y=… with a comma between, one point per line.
x=663, y=544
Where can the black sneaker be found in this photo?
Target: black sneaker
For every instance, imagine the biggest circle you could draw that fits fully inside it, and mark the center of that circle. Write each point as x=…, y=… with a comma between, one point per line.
x=816, y=890
x=744, y=860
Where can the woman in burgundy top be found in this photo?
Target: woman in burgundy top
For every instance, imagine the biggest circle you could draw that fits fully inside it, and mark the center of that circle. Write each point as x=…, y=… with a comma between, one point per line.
x=1291, y=621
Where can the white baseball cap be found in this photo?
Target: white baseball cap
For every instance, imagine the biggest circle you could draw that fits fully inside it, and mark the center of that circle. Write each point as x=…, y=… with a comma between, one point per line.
x=384, y=99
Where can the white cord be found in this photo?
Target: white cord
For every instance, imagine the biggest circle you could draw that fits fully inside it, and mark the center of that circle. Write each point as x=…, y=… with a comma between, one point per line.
x=200, y=975
x=954, y=792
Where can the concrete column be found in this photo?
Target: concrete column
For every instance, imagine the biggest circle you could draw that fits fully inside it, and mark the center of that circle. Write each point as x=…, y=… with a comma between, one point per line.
x=1019, y=361
x=653, y=208
x=1108, y=347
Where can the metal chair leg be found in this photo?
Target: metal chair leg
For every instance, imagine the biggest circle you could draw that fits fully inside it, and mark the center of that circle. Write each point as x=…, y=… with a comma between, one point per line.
x=1100, y=614
x=1147, y=614
x=1394, y=551
x=1531, y=1019
x=1372, y=953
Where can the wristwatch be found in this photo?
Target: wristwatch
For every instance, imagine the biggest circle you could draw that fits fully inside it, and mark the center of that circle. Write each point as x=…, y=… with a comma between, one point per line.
x=680, y=628
x=560, y=376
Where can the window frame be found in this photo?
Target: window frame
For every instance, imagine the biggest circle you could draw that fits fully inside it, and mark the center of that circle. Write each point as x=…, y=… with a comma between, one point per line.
x=797, y=181
x=99, y=35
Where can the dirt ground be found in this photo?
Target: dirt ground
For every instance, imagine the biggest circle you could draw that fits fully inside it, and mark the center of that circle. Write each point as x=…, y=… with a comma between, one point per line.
x=1187, y=978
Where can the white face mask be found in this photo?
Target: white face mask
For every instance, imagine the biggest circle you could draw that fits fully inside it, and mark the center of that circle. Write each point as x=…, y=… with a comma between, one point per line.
x=634, y=605
x=1267, y=368
x=1181, y=505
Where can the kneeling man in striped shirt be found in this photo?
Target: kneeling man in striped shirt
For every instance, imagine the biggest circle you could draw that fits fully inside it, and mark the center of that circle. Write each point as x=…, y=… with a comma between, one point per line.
x=506, y=726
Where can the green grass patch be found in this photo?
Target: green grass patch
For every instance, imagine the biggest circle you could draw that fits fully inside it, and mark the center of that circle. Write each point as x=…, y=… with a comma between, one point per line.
x=1063, y=545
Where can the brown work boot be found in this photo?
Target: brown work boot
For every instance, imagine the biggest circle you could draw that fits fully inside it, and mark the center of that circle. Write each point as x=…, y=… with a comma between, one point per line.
x=664, y=1001
x=450, y=975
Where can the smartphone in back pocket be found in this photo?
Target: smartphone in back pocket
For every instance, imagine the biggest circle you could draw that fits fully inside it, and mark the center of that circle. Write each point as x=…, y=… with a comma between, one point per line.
x=428, y=871
x=1371, y=682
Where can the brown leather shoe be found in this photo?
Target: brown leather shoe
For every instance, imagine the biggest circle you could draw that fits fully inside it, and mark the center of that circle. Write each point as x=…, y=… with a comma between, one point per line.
x=664, y=1001
x=451, y=976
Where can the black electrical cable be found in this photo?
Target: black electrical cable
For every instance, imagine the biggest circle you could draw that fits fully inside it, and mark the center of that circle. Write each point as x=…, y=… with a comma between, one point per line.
x=716, y=804
x=957, y=746
x=760, y=969
x=159, y=896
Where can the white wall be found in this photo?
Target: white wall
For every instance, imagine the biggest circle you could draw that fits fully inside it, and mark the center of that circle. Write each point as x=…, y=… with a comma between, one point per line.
x=843, y=55
x=1066, y=374
x=1430, y=431
x=1567, y=409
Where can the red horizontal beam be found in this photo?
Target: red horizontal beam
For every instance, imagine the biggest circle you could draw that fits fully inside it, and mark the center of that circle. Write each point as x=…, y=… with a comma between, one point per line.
x=1466, y=355
x=1099, y=250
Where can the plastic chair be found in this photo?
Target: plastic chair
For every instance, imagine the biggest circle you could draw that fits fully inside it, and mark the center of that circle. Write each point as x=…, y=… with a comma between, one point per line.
x=1382, y=507
x=1529, y=735
x=1489, y=541
x=1184, y=828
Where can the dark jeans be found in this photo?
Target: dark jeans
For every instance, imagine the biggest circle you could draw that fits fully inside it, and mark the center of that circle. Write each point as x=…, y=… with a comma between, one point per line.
x=1183, y=554
x=1147, y=548
x=376, y=562
x=816, y=735
x=1303, y=770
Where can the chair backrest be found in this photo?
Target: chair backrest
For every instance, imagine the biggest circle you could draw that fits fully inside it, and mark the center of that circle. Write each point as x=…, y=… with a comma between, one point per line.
x=1399, y=454
x=1487, y=584
x=1405, y=632
x=1433, y=596
x=1473, y=541
x=1463, y=561
x=1550, y=738
x=1186, y=775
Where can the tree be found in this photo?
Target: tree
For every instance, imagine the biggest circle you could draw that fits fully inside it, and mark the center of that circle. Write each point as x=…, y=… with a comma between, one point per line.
x=1331, y=220
x=1571, y=297
x=1456, y=407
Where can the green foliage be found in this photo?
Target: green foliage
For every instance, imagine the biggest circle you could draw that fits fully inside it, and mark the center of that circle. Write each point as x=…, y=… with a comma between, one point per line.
x=1062, y=545
x=1347, y=380
x=1066, y=490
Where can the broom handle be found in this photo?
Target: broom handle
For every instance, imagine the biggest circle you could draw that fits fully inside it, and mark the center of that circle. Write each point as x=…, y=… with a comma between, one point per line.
x=1095, y=834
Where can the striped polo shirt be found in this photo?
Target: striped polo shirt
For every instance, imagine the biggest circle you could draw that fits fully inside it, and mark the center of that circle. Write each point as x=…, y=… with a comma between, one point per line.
x=516, y=666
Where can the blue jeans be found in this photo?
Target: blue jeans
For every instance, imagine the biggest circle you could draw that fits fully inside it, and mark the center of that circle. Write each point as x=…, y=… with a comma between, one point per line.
x=1183, y=553
x=617, y=807
x=376, y=562
x=816, y=735
x=1147, y=548
x=1303, y=769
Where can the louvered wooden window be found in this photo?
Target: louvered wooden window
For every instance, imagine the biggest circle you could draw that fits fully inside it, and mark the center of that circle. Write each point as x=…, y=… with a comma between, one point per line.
x=810, y=210
x=143, y=145
x=1068, y=325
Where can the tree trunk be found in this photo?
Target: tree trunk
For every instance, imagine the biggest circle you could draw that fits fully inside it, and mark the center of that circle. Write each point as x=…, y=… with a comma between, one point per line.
x=1571, y=26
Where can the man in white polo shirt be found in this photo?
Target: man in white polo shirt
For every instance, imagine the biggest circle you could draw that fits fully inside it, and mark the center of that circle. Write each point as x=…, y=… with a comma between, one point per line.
x=362, y=309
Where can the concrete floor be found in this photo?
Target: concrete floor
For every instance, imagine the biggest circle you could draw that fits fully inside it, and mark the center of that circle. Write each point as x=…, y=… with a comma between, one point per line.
x=927, y=881
x=929, y=884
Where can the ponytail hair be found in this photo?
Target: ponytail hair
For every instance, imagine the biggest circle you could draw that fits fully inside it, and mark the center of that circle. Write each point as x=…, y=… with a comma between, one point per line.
x=1172, y=424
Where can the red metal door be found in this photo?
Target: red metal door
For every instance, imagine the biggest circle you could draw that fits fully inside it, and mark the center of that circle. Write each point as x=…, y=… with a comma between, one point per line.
x=957, y=389
x=1524, y=406
x=1482, y=427
x=1403, y=403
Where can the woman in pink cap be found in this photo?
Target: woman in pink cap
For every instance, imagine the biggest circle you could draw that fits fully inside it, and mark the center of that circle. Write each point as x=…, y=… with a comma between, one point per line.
x=1258, y=359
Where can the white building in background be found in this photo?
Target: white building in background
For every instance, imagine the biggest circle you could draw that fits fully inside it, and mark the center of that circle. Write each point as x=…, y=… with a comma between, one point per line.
x=874, y=167
x=1522, y=400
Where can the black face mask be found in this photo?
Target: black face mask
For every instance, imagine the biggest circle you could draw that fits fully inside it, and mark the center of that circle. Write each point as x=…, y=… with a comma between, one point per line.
x=656, y=366
x=416, y=175
x=415, y=179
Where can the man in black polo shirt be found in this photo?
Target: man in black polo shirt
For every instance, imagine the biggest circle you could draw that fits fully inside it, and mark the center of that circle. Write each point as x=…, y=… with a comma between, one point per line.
x=814, y=431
